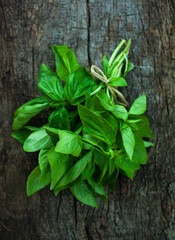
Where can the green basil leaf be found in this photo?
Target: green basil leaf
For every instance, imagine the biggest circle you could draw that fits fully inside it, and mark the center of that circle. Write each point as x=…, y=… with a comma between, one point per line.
x=148, y=144
x=119, y=112
x=69, y=143
x=84, y=194
x=133, y=121
x=44, y=166
x=105, y=65
x=96, y=126
x=111, y=165
x=79, y=83
x=74, y=172
x=37, y=140
x=66, y=61
x=128, y=139
x=139, y=106
x=59, y=164
x=50, y=85
x=29, y=110
x=139, y=155
x=117, y=82
x=33, y=184
x=144, y=127
x=59, y=119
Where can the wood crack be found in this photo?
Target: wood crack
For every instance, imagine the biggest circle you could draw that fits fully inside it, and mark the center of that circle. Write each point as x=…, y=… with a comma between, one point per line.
x=88, y=31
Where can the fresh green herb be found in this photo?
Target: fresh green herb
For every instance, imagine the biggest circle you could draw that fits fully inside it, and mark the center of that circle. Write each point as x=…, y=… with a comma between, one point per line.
x=91, y=134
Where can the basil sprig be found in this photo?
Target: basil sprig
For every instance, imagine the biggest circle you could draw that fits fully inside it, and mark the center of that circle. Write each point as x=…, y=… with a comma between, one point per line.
x=90, y=137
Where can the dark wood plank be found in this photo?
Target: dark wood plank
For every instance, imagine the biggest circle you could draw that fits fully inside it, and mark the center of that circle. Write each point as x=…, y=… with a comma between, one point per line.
x=139, y=209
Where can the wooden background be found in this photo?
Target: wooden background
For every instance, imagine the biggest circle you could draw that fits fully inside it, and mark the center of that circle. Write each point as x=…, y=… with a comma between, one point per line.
x=142, y=209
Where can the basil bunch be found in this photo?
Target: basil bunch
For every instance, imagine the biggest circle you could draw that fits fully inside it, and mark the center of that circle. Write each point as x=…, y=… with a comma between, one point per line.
x=89, y=137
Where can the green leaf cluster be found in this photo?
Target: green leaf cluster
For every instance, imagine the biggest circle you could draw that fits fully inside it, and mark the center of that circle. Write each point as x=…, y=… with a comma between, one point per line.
x=89, y=138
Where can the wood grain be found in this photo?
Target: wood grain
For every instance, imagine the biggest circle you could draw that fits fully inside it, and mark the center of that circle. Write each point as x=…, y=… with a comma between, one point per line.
x=142, y=209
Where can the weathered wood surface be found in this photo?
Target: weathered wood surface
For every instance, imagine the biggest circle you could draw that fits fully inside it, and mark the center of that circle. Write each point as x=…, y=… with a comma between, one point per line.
x=139, y=210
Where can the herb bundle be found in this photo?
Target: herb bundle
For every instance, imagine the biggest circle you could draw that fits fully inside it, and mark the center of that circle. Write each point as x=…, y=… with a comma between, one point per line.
x=91, y=134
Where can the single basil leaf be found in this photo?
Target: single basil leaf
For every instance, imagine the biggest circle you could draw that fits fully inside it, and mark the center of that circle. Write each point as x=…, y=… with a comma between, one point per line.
x=66, y=61
x=128, y=139
x=59, y=164
x=50, y=85
x=144, y=127
x=148, y=144
x=44, y=166
x=37, y=140
x=69, y=143
x=105, y=65
x=98, y=189
x=96, y=126
x=79, y=83
x=84, y=194
x=74, y=172
x=42, y=160
x=59, y=119
x=139, y=106
x=119, y=112
x=133, y=120
x=29, y=110
x=139, y=155
x=33, y=184
x=117, y=82
x=111, y=165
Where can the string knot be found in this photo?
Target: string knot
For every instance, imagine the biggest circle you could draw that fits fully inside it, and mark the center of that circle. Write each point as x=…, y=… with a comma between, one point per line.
x=98, y=73
x=101, y=76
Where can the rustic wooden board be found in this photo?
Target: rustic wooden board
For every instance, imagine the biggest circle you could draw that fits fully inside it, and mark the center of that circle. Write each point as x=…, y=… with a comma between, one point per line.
x=142, y=209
